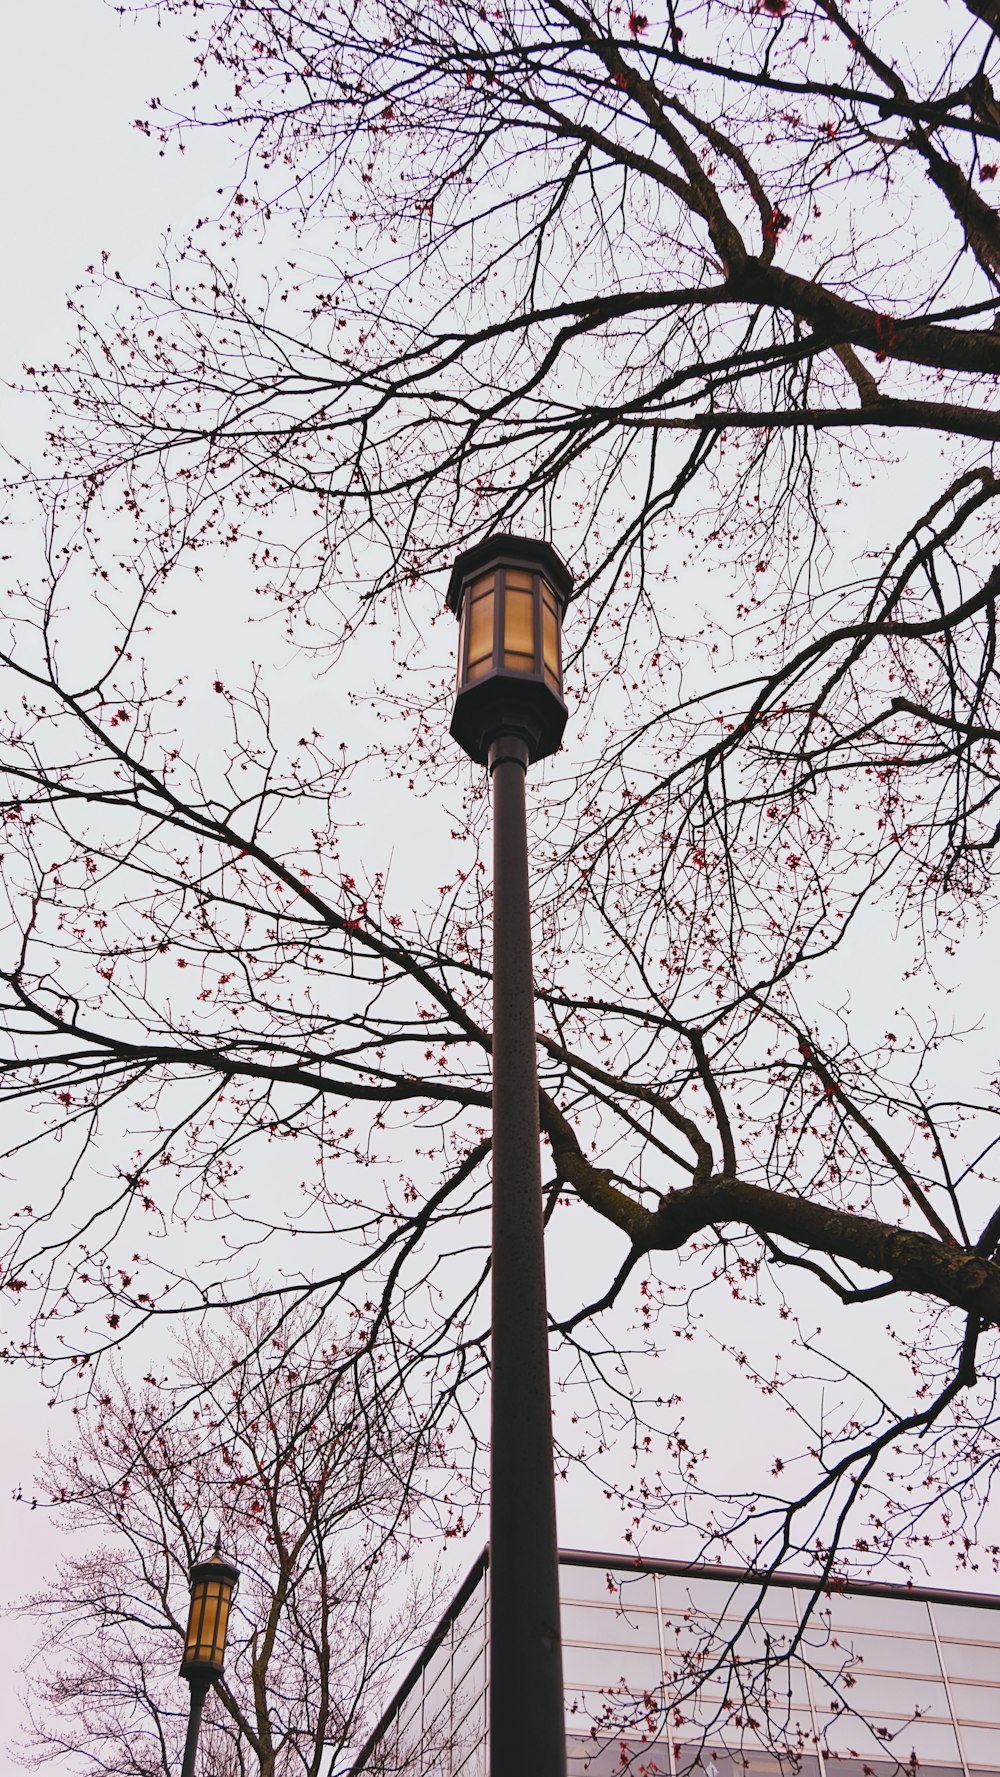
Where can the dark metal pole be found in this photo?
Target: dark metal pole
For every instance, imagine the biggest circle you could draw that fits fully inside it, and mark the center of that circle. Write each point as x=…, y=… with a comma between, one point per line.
x=199, y=1691
x=527, y=1721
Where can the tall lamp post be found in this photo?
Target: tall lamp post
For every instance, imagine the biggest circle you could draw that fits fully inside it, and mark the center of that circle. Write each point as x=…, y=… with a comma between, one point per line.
x=509, y=594
x=213, y=1583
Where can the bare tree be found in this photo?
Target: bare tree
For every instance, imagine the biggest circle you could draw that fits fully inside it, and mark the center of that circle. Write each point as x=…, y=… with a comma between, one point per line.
x=257, y=1440
x=681, y=291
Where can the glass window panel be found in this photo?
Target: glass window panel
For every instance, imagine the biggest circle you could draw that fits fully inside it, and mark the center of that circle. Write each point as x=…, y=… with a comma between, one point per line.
x=607, y=1666
x=845, y=1733
x=837, y=1765
x=790, y=1727
x=709, y=1713
x=689, y=1658
x=469, y=1732
x=408, y=1737
x=976, y=1702
x=714, y=1691
x=439, y=1659
x=682, y=1664
x=691, y=1635
x=841, y=1766
x=876, y=1615
x=437, y=1729
x=785, y=1685
x=435, y=1759
x=519, y=623
x=519, y=663
x=691, y=1761
x=621, y=1628
x=760, y=1641
x=437, y=1696
x=582, y=1708
x=600, y=1584
x=471, y=1687
x=548, y=596
x=520, y=577
x=705, y=1645
x=962, y=1660
x=484, y=584
x=606, y=1760
x=473, y=1659
x=744, y=1750
x=792, y=1765
x=474, y=1607
x=878, y=1653
x=550, y=637
x=982, y=1745
x=635, y=1590
x=468, y=1632
x=787, y=1695
x=747, y=1760
x=722, y=1632
x=475, y=1764
x=682, y=1597
x=410, y=1712
x=878, y=1695
x=927, y=1769
x=931, y=1741
x=687, y=1760
x=470, y=1729
x=721, y=1598
x=480, y=630
x=777, y=1604
x=967, y=1622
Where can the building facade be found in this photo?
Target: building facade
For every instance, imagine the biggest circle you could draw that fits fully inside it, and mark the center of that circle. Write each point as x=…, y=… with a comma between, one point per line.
x=675, y=1671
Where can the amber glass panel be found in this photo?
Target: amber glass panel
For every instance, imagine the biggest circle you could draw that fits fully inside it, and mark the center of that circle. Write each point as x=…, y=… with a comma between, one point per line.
x=206, y=1636
x=195, y=1622
x=210, y=1623
x=222, y=1622
x=519, y=623
x=550, y=643
x=209, y=1617
x=481, y=629
x=194, y=1619
x=521, y=577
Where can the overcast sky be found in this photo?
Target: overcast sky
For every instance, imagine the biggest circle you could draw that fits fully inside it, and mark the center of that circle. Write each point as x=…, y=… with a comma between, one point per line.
x=79, y=178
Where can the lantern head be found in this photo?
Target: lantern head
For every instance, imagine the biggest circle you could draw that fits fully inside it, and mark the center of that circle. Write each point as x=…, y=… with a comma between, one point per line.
x=509, y=595
x=213, y=1583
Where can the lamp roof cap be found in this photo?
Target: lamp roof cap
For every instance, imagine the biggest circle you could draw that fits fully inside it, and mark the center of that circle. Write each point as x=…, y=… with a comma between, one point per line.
x=503, y=546
x=214, y=1565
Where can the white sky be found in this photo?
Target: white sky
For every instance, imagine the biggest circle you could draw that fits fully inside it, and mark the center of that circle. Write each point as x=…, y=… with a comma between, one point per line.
x=79, y=178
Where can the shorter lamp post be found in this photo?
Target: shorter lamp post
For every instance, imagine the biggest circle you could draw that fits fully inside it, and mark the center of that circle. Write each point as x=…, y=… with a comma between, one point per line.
x=509, y=594
x=213, y=1583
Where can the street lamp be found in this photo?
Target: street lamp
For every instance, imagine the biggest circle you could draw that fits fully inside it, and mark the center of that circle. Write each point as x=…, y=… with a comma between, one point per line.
x=213, y=1584
x=509, y=594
